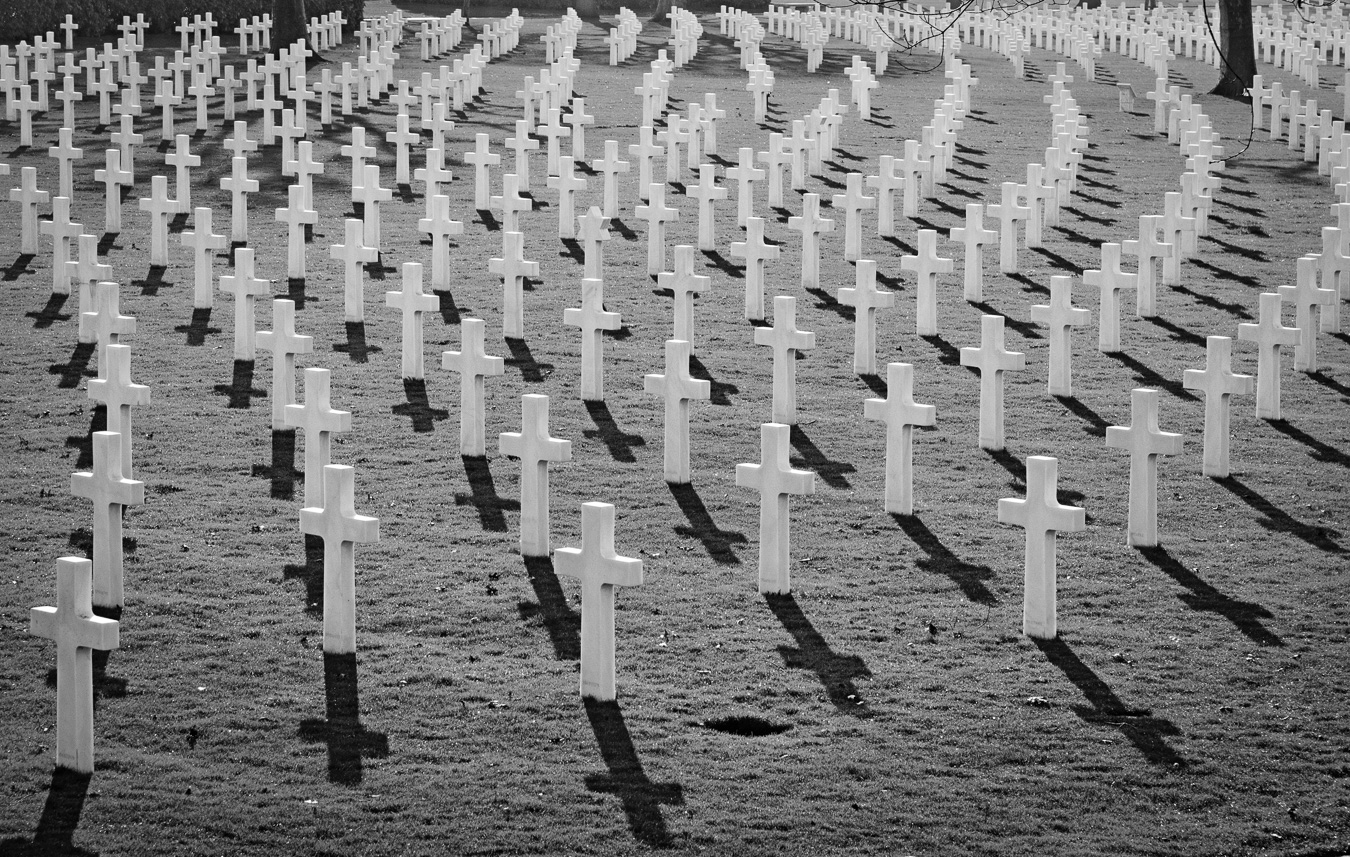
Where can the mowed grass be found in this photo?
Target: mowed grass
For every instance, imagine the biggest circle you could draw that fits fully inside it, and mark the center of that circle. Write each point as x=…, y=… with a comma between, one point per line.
x=1193, y=704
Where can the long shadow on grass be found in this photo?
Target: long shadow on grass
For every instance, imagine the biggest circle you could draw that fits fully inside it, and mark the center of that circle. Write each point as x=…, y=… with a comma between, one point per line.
x=240, y=391
x=356, y=346
x=716, y=541
x=76, y=368
x=619, y=442
x=941, y=560
x=60, y=817
x=836, y=671
x=281, y=472
x=531, y=370
x=1279, y=521
x=341, y=729
x=829, y=470
x=563, y=625
x=1320, y=451
x=49, y=313
x=484, y=497
x=98, y=421
x=417, y=407
x=310, y=573
x=641, y=797
x=1245, y=615
x=1143, y=730
x=1150, y=378
x=199, y=328
x=719, y=392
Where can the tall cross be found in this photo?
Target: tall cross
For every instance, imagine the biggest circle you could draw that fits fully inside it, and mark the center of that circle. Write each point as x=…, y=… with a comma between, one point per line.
x=182, y=160
x=926, y=266
x=567, y=183
x=296, y=215
x=63, y=232
x=1145, y=443
x=110, y=491
x=1008, y=213
x=77, y=632
x=1269, y=334
x=644, y=150
x=755, y=251
x=354, y=254
x=1109, y=280
x=1061, y=316
x=706, y=192
x=785, y=340
x=118, y=395
x=1148, y=249
x=483, y=159
x=745, y=174
x=900, y=413
x=599, y=569
x=284, y=343
x=992, y=359
x=854, y=202
x=657, y=214
x=776, y=480
x=1309, y=301
x=865, y=299
x=677, y=388
x=513, y=268
x=1218, y=382
x=473, y=364
x=1042, y=516
x=974, y=236
x=244, y=287
x=413, y=302
x=341, y=529
x=535, y=448
x=810, y=224
x=317, y=420
x=684, y=283
x=371, y=197
x=65, y=154
x=29, y=198
x=611, y=166
x=592, y=318
x=775, y=160
x=886, y=183
x=106, y=325
x=522, y=144
x=358, y=151
x=593, y=231
x=240, y=186
x=160, y=205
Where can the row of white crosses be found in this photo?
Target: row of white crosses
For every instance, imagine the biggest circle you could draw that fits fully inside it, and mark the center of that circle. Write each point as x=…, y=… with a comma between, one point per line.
x=622, y=37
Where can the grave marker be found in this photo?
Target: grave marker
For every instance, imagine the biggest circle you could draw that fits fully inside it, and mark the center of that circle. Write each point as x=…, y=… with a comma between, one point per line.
x=992, y=359
x=284, y=343
x=473, y=364
x=513, y=269
x=341, y=529
x=776, y=480
x=1042, y=516
x=926, y=266
x=118, y=395
x=535, y=448
x=413, y=303
x=755, y=251
x=1269, y=333
x=317, y=420
x=1061, y=316
x=1218, y=382
x=900, y=413
x=353, y=254
x=865, y=299
x=785, y=340
x=244, y=287
x=110, y=492
x=677, y=388
x=1145, y=443
x=1109, y=281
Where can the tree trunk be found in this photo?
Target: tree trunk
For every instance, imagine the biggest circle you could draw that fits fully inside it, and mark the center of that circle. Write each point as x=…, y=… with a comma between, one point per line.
x=1238, y=46
x=289, y=23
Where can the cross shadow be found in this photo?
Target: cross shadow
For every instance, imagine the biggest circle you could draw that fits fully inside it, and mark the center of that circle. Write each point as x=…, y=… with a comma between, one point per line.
x=310, y=573
x=1059, y=261
x=295, y=291
x=19, y=267
x=1244, y=615
x=356, y=346
x=900, y=244
x=341, y=729
x=1177, y=332
x=836, y=671
x=240, y=391
x=623, y=229
x=1011, y=463
x=948, y=354
x=489, y=221
x=1090, y=218
x=619, y=442
x=1029, y=285
x=827, y=301
x=725, y=265
x=1320, y=451
x=98, y=421
x=1329, y=382
x=104, y=685
x=154, y=280
x=829, y=470
x=968, y=576
x=1149, y=378
x=199, y=327
x=1096, y=426
x=1234, y=309
x=417, y=407
x=1238, y=249
x=1026, y=329
x=720, y=392
x=531, y=371
x=574, y=250
x=1074, y=235
x=450, y=311
x=50, y=312
x=551, y=609
x=1279, y=521
x=641, y=797
x=76, y=368
x=484, y=494
x=716, y=541
x=60, y=817
x=1143, y=730
x=281, y=472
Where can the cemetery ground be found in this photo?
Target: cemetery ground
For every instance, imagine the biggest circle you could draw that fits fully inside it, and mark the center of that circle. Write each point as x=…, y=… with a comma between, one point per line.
x=1194, y=702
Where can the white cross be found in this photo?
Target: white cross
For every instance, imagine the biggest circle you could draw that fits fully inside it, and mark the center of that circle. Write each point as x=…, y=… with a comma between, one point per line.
x=88, y=269
x=413, y=303
x=358, y=151
x=1179, y=230
x=578, y=119
x=1307, y=299
x=1268, y=334
x=745, y=174
x=118, y=395
x=110, y=491
x=182, y=160
x=645, y=149
x=353, y=253
x=402, y=137
x=592, y=318
x=65, y=154
x=244, y=287
x=340, y=528
x=105, y=325
x=865, y=299
x=318, y=420
x=284, y=343
x=1008, y=213
x=1060, y=315
x=29, y=198
x=63, y=232
x=886, y=183
x=611, y=166
x=974, y=236
x=567, y=183
x=371, y=197
x=776, y=480
x=304, y=168
x=593, y=231
x=240, y=145
x=706, y=192
x=513, y=269
x=1145, y=443
x=756, y=251
x=440, y=227
x=684, y=283
x=1218, y=382
x=677, y=388
x=295, y=215
x=482, y=158
x=77, y=632
x=1109, y=281
x=1042, y=516
x=599, y=569
x=535, y=449
x=810, y=224
x=785, y=340
x=657, y=214
x=473, y=364
x=913, y=166
x=239, y=185
x=900, y=413
x=926, y=266
x=160, y=205
x=854, y=202
x=992, y=359
x=522, y=144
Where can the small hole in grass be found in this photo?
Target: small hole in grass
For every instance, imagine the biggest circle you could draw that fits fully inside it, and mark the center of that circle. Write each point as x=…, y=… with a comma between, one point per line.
x=749, y=727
